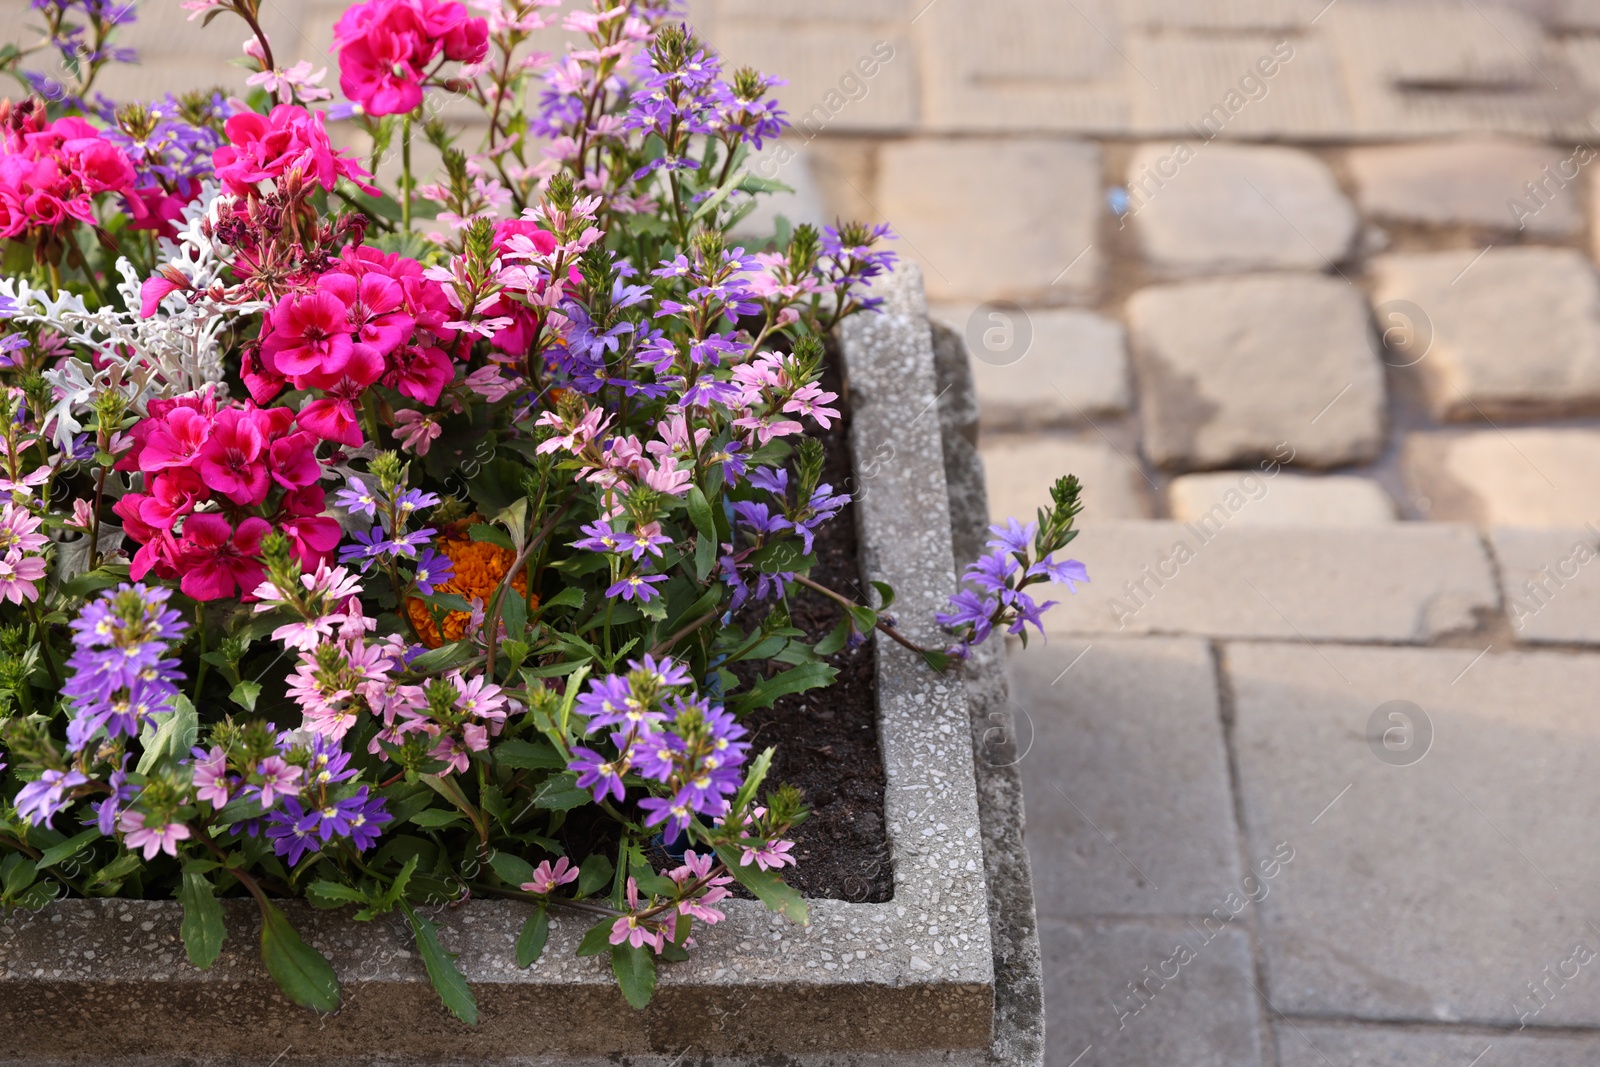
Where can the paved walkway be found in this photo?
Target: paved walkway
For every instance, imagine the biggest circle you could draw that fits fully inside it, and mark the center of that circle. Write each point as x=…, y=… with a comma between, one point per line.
x=1305, y=291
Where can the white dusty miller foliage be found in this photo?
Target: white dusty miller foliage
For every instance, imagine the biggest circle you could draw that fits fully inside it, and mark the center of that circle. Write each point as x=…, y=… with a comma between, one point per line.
x=171, y=353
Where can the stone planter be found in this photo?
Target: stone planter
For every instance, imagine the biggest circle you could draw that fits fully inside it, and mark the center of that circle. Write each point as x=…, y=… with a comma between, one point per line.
x=945, y=972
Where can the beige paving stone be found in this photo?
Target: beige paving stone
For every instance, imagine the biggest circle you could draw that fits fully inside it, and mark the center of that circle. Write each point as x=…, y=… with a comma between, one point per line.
x=1400, y=582
x=1042, y=367
x=1309, y=1044
x=990, y=218
x=842, y=76
x=1512, y=477
x=1123, y=738
x=1493, y=182
x=1266, y=365
x=1238, y=85
x=1109, y=1004
x=1436, y=67
x=1515, y=332
x=1218, y=14
x=1441, y=844
x=1020, y=471
x=879, y=11
x=989, y=65
x=1550, y=583
x=843, y=167
x=1281, y=500
x=1205, y=208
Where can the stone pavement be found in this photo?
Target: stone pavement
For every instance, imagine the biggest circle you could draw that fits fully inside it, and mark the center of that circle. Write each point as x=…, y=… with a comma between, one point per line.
x=1306, y=291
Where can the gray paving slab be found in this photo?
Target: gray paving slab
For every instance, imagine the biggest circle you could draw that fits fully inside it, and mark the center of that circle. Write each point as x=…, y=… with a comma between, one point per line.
x=1142, y=993
x=1122, y=760
x=1440, y=805
x=1313, y=1044
x=1401, y=582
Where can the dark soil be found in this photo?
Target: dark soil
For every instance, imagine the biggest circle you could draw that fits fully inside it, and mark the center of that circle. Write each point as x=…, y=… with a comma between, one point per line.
x=827, y=739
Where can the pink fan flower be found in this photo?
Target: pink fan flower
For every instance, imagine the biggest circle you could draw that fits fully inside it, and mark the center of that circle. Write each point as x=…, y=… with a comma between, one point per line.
x=17, y=575
x=546, y=879
x=153, y=839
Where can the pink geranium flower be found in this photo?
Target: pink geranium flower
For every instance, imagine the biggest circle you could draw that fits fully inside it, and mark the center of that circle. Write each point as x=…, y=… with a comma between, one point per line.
x=266, y=147
x=219, y=559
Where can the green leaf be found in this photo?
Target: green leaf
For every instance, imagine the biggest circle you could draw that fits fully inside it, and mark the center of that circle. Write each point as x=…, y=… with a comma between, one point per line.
x=718, y=197
x=116, y=870
x=202, y=930
x=560, y=794
x=705, y=528
x=442, y=971
x=795, y=680
x=392, y=896
x=325, y=894
x=528, y=755
x=595, y=874
x=302, y=972
x=16, y=874
x=442, y=658
x=553, y=670
x=635, y=969
x=755, y=184
x=866, y=619
x=514, y=870
x=448, y=601
x=482, y=532
x=597, y=940
x=771, y=890
x=645, y=877
x=434, y=818
x=836, y=639
x=514, y=613
x=179, y=730
x=570, y=597
x=753, y=779
x=245, y=694
x=939, y=661
x=67, y=849
x=886, y=592
x=530, y=943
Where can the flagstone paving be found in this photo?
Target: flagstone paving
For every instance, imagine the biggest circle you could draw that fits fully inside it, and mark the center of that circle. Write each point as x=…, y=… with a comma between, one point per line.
x=1307, y=287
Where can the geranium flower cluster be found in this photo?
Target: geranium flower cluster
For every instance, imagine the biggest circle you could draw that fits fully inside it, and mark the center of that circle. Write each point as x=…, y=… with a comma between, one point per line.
x=51, y=171
x=218, y=479
x=387, y=49
x=371, y=317
x=356, y=534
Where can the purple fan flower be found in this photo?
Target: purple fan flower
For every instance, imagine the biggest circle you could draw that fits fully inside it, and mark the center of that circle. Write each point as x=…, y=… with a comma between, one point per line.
x=40, y=802
x=640, y=586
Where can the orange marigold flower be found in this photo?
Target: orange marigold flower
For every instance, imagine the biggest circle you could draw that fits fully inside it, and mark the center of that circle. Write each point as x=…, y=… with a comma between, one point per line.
x=480, y=567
